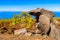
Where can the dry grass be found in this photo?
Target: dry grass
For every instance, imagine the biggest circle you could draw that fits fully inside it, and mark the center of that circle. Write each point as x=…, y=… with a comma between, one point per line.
x=21, y=37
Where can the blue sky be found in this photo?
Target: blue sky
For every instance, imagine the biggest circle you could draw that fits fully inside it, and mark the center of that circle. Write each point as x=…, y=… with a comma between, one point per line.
x=26, y=5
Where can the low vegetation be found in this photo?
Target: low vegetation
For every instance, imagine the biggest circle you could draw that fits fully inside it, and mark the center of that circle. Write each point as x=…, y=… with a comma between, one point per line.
x=23, y=20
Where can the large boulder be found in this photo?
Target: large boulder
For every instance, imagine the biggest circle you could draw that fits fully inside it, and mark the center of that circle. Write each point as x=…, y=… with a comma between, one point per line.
x=44, y=23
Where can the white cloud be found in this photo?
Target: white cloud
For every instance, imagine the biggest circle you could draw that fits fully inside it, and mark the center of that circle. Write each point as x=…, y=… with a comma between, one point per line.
x=29, y=7
x=14, y=8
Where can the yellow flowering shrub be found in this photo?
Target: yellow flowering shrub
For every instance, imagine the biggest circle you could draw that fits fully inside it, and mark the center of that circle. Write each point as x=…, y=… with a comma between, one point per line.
x=25, y=17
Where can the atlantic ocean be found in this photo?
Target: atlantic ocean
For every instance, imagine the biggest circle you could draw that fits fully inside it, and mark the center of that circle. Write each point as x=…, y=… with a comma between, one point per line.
x=8, y=14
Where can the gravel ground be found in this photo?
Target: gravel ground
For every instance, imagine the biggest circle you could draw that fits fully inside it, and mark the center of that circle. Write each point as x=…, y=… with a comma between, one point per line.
x=22, y=37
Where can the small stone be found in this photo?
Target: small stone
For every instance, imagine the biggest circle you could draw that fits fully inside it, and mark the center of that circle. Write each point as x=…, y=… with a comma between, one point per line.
x=45, y=36
x=28, y=34
x=37, y=35
x=20, y=31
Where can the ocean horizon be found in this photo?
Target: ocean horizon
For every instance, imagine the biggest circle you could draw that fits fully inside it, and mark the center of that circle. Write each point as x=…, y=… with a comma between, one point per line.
x=7, y=14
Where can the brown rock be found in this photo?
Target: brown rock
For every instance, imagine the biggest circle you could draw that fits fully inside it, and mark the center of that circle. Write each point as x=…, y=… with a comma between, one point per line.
x=42, y=11
x=47, y=13
x=28, y=34
x=34, y=28
x=55, y=32
x=20, y=31
x=36, y=10
x=57, y=24
x=38, y=35
x=44, y=23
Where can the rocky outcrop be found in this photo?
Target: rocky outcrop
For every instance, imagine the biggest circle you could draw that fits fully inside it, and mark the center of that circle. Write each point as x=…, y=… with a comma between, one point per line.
x=45, y=24
x=43, y=18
